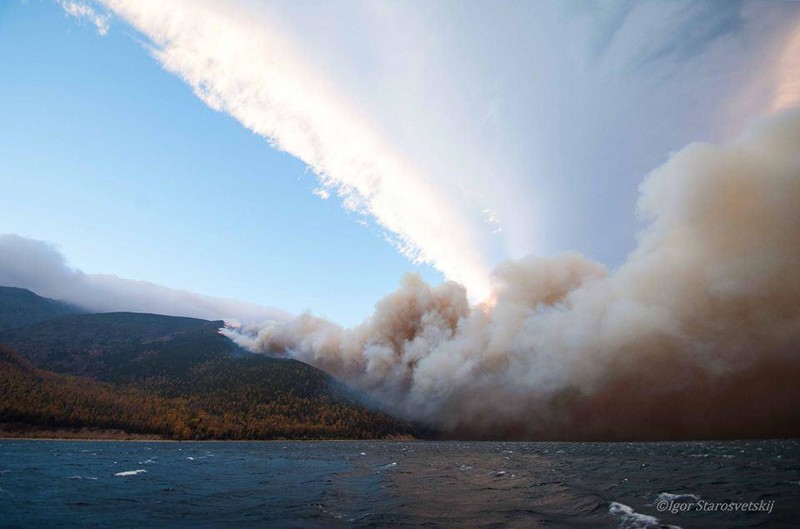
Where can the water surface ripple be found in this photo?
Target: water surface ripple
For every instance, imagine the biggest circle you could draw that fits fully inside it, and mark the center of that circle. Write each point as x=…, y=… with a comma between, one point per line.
x=394, y=484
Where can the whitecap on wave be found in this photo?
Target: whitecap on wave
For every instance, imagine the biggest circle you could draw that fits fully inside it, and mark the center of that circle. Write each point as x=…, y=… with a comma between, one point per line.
x=680, y=498
x=630, y=519
x=130, y=472
x=341, y=515
x=388, y=466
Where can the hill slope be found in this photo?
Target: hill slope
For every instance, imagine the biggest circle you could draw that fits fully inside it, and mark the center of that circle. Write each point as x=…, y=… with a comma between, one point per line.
x=20, y=307
x=31, y=399
x=119, y=345
x=204, y=386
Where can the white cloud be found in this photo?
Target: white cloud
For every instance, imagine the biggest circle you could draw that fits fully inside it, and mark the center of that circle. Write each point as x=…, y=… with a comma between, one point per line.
x=547, y=114
x=322, y=193
x=424, y=115
x=86, y=12
x=238, y=61
x=787, y=92
x=39, y=267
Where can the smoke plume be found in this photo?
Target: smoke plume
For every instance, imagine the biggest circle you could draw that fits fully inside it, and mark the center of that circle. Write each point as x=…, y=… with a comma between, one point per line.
x=696, y=335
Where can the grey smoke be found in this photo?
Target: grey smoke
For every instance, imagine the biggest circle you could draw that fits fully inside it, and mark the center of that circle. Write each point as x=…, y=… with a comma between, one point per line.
x=38, y=266
x=696, y=335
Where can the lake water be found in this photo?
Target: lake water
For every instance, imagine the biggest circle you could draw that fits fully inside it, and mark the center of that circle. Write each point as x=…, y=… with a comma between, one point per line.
x=399, y=484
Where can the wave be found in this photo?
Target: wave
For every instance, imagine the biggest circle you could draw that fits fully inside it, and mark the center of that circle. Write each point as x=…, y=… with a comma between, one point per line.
x=680, y=498
x=130, y=472
x=630, y=519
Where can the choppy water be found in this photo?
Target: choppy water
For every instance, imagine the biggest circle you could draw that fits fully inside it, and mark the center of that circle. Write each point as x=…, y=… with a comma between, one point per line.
x=395, y=484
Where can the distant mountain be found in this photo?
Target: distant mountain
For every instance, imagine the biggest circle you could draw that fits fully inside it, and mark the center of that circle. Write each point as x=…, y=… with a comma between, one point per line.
x=20, y=307
x=185, y=364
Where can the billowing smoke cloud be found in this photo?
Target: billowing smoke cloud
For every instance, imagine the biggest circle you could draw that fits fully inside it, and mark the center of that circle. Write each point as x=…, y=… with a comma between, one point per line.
x=696, y=335
x=38, y=266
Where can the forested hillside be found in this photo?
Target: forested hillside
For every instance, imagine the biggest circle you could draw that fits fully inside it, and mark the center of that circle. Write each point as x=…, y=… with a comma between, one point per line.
x=174, y=377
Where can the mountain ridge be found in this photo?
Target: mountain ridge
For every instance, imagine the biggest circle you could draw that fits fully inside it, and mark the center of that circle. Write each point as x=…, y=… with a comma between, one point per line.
x=20, y=307
x=202, y=384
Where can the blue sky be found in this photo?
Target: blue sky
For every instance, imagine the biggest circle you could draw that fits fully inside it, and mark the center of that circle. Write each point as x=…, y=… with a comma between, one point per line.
x=465, y=135
x=115, y=161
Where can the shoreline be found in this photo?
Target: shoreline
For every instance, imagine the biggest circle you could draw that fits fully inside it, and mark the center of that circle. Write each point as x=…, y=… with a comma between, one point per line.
x=91, y=434
x=142, y=438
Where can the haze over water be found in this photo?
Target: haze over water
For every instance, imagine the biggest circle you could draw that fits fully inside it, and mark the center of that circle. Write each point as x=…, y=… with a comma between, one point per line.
x=396, y=484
